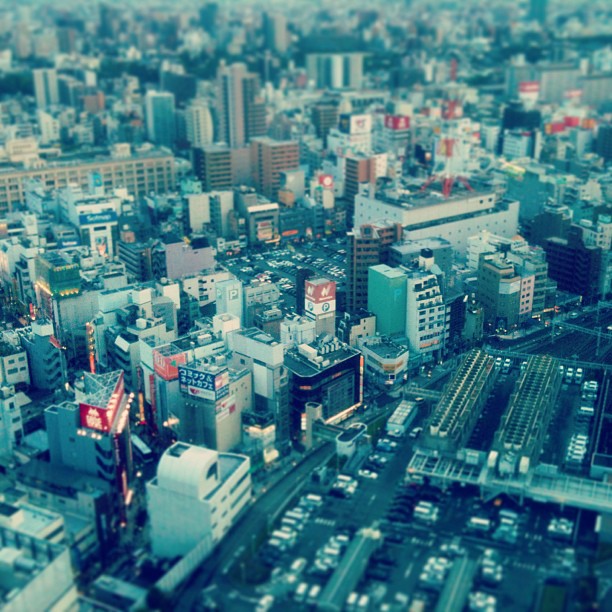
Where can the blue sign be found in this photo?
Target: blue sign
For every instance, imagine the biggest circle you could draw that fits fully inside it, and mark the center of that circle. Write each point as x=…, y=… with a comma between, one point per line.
x=204, y=384
x=94, y=218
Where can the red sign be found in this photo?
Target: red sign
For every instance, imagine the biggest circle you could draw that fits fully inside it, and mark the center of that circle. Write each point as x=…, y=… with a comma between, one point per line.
x=397, y=122
x=326, y=180
x=320, y=291
x=572, y=94
x=55, y=342
x=94, y=417
x=529, y=87
x=153, y=401
x=571, y=121
x=555, y=128
x=101, y=418
x=166, y=366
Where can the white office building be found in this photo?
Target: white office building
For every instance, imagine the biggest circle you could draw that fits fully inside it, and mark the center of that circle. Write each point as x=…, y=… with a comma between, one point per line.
x=199, y=124
x=195, y=498
x=425, y=313
x=429, y=215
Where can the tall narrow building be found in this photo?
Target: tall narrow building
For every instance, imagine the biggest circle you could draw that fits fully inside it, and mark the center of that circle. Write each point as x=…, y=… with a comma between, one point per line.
x=198, y=124
x=538, y=10
x=367, y=246
x=160, y=117
x=46, y=90
x=241, y=111
x=269, y=158
x=212, y=165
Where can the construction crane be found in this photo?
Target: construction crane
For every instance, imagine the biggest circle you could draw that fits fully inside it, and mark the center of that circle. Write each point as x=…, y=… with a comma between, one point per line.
x=446, y=149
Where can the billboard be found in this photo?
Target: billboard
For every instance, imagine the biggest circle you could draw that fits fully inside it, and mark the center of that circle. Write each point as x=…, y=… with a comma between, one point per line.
x=265, y=230
x=326, y=181
x=207, y=385
x=321, y=290
x=322, y=308
x=94, y=417
x=225, y=408
x=355, y=124
x=320, y=297
x=97, y=218
x=397, y=122
x=101, y=245
x=166, y=366
x=529, y=87
x=572, y=94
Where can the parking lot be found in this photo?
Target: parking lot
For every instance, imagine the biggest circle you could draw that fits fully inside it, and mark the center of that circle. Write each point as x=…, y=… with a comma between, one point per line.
x=463, y=551
x=326, y=258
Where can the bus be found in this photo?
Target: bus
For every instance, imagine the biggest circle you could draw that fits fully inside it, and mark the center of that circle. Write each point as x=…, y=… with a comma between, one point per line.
x=141, y=450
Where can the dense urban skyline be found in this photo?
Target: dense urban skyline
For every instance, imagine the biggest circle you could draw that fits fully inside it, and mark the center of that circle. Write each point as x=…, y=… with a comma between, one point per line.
x=306, y=306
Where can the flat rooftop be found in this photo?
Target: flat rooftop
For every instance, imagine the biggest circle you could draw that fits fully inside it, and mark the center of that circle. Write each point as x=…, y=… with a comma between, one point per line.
x=302, y=366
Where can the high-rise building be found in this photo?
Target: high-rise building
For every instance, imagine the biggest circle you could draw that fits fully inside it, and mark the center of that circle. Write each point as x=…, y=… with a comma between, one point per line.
x=268, y=159
x=425, y=311
x=46, y=359
x=92, y=434
x=198, y=124
x=367, y=246
x=275, y=32
x=335, y=70
x=264, y=356
x=538, y=10
x=160, y=117
x=557, y=79
x=208, y=18
x=212, y=165
x=46, y=89
x=327, y=372
x=358, y=169
x=387, y=299
x=553, y=221
x=603, y=144
x=241, y=111
x=576, y=267
x=324, y=117
x=211, y=409
x=499, y=291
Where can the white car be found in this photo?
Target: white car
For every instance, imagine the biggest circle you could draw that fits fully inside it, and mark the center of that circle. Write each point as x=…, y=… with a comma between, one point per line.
x=265, y=603
x=368, y=474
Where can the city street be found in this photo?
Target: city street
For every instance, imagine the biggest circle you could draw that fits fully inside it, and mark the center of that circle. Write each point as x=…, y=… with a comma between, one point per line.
x=257, y=519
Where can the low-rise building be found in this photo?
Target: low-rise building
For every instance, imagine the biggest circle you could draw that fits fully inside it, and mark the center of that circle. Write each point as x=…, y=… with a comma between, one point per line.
x=37, y=574
x=386, y=362
x=195, y=498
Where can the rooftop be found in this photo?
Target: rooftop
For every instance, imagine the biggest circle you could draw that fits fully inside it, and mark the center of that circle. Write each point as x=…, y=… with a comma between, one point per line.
x=83, y=157
x=323, y=355
x=384, y=347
